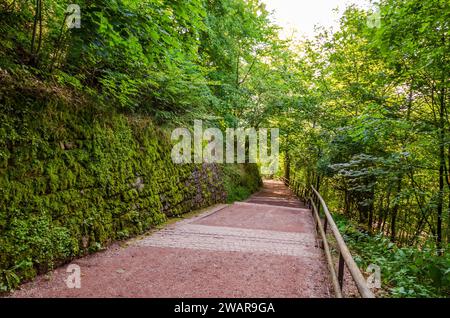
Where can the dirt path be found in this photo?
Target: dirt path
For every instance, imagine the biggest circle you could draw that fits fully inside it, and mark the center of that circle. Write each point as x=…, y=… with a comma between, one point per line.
x=264, y=247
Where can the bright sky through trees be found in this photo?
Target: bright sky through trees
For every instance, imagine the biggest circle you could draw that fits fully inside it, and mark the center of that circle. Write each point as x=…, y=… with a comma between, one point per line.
x=303, y=15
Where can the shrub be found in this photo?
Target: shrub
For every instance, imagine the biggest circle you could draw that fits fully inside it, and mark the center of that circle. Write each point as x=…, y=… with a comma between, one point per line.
x=405, y=271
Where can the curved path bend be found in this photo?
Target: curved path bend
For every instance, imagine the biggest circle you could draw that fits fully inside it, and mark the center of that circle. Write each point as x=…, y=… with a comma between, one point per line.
x=265, y=247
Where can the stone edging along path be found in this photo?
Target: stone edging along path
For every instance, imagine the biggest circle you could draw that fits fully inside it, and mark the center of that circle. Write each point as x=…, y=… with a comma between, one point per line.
x=265, y=247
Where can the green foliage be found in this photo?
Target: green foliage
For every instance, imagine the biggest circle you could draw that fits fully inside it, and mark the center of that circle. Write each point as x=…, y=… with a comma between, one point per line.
x=362, y=112
x=80, y=163
x=75, y=177
x=373, y=130
x=240, y=181
x=405, y=271
x=170, y=59
x=372, y=134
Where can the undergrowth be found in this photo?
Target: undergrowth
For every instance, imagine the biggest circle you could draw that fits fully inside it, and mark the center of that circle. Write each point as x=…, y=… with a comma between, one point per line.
x=405, y=271
x=241, y=181
x=75, y=176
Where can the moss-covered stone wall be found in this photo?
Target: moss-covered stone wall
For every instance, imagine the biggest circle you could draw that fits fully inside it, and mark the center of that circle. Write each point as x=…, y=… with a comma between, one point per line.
x=75, y=177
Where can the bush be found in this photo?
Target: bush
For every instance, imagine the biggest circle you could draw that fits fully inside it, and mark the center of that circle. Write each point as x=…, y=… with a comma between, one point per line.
x=240, y=181
x=76, y=176
x=405, y=271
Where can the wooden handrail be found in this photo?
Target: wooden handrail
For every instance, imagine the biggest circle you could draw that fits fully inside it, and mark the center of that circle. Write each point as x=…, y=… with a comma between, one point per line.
x=334, y=279
x=286, y=181
x=345, y=256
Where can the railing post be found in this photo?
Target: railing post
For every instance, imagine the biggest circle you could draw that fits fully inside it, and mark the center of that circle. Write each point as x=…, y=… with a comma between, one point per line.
x=345, y=257
x=318, y=205
x=341, y=270
x=326, y=247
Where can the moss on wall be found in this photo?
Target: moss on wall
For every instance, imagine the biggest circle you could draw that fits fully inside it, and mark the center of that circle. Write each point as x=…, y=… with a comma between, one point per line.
x=75, y=177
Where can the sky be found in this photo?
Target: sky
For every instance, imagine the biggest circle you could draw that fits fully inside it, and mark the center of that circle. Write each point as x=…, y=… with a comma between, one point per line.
x=302, y=15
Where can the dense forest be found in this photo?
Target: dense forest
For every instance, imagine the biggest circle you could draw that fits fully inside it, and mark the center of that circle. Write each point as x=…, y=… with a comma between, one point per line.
x=363, y=112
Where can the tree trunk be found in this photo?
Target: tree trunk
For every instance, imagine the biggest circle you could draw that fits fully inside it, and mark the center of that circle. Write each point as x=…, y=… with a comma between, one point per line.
x=35, y=26
x=370, y=221
x=382, y=214
x=287, y=167
x=448, y=220
x=395, y=210
x=346, y=203
x=442, y=168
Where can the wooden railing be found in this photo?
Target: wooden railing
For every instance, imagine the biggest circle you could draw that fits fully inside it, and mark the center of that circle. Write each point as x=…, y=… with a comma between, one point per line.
x=345, y=258
x=316, y=203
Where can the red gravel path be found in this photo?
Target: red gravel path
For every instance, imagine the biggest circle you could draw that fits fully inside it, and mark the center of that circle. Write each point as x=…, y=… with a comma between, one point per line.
x=243, y=250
